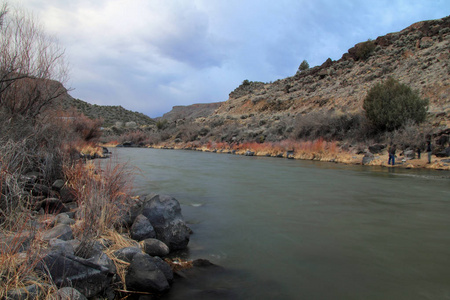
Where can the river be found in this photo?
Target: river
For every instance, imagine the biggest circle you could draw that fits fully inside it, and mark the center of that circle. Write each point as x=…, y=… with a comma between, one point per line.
x=288, y=229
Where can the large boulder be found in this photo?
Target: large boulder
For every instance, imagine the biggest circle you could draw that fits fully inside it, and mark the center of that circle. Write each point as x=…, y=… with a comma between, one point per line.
x=89, y=276
x=368, y=158
x=126, y=254
x=164, y=213
x=144, y=275
x=142, y=229
x=444, y=153
x=409, y=154
x=154, y=247
x=60, y=231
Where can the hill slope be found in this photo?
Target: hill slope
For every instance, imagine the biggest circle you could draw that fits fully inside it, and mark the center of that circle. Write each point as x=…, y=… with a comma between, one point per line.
x=329, y=98
x=111, y=115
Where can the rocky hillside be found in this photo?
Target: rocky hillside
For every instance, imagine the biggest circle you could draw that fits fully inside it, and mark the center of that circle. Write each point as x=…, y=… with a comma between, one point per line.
x=191, y=111
x=111, y=115
x=418, y=56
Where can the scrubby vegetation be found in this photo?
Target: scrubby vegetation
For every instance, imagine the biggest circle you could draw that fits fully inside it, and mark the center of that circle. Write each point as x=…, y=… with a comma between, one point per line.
x=111, y=115
x=390, y=105
x=365, y=49
x=39, y=145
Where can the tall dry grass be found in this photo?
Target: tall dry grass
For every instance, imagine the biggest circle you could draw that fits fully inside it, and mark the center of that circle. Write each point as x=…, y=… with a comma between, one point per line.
x=20, y=253
x=102, y=192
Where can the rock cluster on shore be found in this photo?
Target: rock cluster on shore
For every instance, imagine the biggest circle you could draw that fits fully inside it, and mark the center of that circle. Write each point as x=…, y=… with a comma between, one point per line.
x=81, y=268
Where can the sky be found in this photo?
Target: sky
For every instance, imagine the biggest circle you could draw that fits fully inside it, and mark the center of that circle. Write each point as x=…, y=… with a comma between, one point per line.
x=150, y=55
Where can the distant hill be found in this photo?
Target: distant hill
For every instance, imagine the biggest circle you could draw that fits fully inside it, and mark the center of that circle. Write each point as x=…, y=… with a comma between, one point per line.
x=191, y=111
x=110, y=114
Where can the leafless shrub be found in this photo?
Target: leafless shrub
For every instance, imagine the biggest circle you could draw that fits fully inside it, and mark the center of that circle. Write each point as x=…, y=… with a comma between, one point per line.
x=331, y=126
x=30, y=61
x=410, y=136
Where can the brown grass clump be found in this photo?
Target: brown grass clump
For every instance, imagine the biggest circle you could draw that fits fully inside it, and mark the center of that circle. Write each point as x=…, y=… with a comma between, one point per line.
x=20, y=253
x=102, y=195
x=119, y=241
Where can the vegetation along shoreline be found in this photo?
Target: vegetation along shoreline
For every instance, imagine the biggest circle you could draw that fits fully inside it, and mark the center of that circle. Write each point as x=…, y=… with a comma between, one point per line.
x=71, y=227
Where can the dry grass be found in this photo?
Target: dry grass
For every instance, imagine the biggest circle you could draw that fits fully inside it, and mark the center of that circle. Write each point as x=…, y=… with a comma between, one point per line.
x=102, y=194
x=17, y=267
x=119, y=241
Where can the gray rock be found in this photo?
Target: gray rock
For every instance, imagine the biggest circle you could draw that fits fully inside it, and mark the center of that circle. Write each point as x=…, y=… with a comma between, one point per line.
x=87, y=276
x=142, y=229
x=145, y=276
x=164, y=213
x=444, y=153
x=64, y=218
x=249, y=153
x=19, y=242
x=154, y=247
x=409, y=154
x=368, y=158
x=29, y=292
x=63, y=246
x=67, y=194
x=127, y=253
x=61, y=231
x=58, y=184
x=67, y=293
x=164, y=267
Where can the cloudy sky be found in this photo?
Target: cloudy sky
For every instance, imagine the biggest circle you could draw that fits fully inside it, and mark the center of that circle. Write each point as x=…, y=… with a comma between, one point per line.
x=149, y=55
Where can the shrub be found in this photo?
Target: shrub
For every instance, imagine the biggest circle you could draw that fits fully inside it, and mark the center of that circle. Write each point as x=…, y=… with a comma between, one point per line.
x=390, y=104
x=303, y=66
x=161, y=124
x=365, y=49
x=330, y=126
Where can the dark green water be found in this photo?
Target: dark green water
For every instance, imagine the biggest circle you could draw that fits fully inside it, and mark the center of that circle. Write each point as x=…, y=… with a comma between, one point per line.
x=286, y=229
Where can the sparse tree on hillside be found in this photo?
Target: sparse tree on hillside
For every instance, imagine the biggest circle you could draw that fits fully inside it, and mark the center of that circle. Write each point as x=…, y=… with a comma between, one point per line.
x=303, y=66
x=391, y=104
x=30, y=62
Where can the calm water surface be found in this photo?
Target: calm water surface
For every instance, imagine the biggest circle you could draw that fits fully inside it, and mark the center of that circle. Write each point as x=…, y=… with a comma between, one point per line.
x=286, y=229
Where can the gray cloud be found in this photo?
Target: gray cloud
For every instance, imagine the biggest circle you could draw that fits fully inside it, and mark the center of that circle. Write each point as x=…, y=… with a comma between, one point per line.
x=150, y=55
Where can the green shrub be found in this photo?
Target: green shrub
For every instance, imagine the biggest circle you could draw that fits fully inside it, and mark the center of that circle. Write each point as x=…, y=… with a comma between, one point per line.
x=161, y=124
x=303, y=66
x=391, y=104
x=364, y=50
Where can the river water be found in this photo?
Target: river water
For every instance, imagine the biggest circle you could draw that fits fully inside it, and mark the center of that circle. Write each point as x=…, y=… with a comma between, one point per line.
x=288, y=229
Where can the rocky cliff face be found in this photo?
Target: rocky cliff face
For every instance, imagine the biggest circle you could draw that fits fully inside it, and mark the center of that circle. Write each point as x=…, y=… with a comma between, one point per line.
x=193, y=111
x=417, y=56
x=326, y=101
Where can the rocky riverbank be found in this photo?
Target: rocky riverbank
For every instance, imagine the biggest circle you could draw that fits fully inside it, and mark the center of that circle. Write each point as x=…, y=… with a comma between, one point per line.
x=375, y=155
x=63, y=260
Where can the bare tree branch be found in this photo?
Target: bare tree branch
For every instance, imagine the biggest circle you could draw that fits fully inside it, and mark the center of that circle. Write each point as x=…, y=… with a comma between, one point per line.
x=31, y=62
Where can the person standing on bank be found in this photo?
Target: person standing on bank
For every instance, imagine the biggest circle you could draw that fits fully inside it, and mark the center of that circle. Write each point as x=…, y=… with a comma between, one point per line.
x=429, y=150
x=391, y=151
